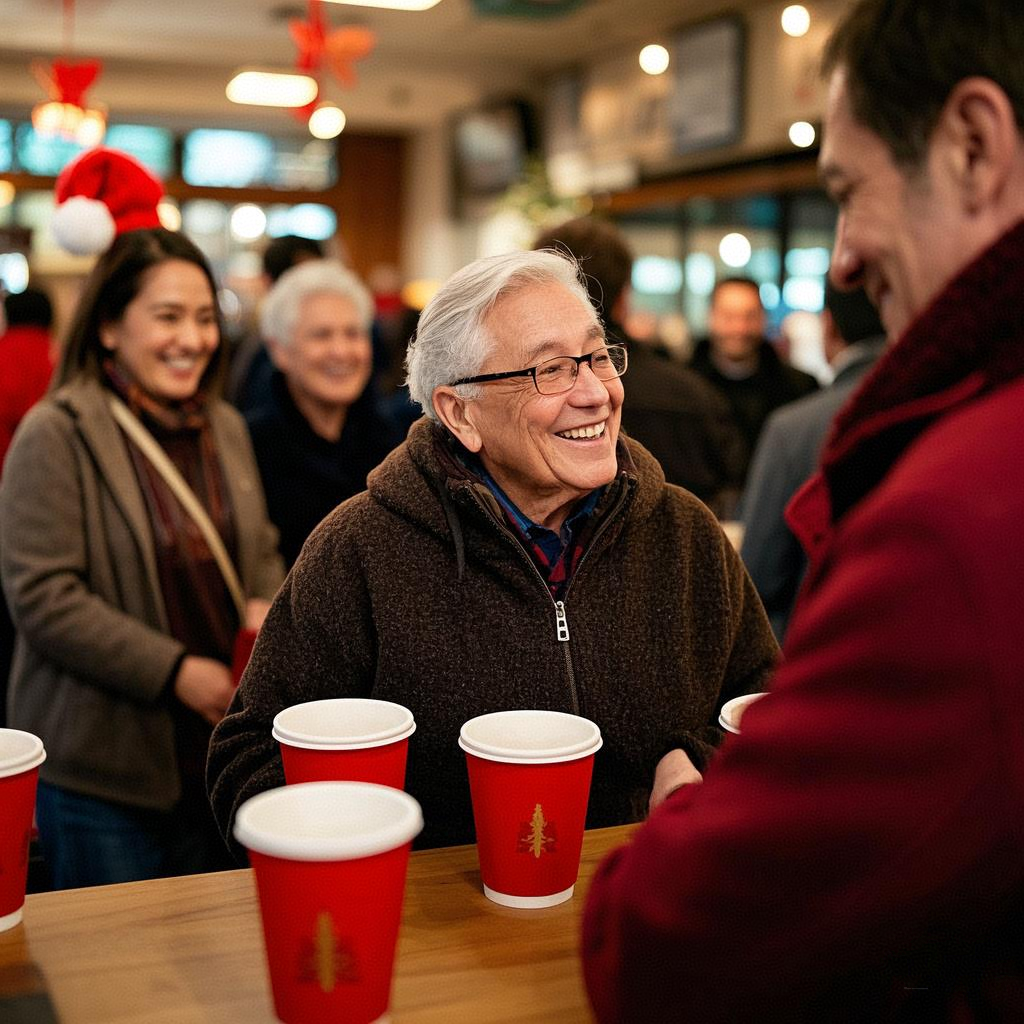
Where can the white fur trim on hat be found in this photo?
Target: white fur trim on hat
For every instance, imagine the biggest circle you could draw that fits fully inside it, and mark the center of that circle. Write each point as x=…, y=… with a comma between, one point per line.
x=83, y=226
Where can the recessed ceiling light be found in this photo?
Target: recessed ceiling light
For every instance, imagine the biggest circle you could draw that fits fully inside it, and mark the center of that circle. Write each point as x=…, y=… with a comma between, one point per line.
x=654, y=59
x=271, y=89
x=796, y=20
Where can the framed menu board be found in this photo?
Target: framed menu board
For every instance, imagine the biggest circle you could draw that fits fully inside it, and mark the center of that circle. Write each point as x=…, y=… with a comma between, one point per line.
x=705, y=108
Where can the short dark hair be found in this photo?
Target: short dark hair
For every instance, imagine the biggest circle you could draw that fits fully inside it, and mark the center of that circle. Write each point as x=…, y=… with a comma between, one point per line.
x=31, y=307
x=283, y=253
x=114, y=282
x=854, y=314
x=746, y=282
x=602, y=253
x=903, y=58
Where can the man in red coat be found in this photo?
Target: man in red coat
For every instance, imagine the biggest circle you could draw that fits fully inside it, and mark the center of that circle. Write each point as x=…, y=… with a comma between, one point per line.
x=857, y=854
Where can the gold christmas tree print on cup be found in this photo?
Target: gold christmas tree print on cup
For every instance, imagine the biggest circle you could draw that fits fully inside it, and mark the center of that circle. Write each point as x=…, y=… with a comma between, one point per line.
x=537, y=835
x=326, y=958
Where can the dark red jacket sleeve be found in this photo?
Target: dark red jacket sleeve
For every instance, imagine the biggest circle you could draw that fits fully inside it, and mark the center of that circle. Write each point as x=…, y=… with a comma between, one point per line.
x=864, y=833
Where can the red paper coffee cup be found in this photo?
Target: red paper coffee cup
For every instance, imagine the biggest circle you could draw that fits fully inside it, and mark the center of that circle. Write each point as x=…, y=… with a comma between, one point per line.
x=21, y=754
x=330, y=861
x=245, y=639
x=529, y=777
x=353, y=739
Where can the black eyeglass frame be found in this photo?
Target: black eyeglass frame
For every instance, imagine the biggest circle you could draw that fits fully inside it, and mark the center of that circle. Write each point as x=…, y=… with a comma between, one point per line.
x=531, y=371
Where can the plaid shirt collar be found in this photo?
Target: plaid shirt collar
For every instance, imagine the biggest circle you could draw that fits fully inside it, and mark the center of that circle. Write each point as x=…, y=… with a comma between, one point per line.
x=554, y=554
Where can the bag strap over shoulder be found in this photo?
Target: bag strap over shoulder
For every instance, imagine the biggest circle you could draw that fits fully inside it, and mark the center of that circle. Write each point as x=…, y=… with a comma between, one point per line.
x=150, y=447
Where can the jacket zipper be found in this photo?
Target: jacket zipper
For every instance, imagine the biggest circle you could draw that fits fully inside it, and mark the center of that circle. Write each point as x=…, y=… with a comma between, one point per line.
x=561, y=620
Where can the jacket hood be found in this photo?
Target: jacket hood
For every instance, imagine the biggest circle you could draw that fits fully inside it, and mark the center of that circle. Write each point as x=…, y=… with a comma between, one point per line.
x=423, y=479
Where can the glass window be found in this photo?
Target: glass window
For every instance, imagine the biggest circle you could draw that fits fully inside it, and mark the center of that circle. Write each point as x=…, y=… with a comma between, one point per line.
x=152, y=147
x=6, y=145
x=45, y=157
x=235, y=159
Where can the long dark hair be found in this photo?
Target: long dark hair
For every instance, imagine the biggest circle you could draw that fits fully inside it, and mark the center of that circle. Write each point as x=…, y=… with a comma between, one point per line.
x=113, y=284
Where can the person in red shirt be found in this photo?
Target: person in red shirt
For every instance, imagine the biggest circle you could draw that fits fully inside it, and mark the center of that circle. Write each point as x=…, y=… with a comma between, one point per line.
x=857, y=852
x=25, y=366
x=25, y=359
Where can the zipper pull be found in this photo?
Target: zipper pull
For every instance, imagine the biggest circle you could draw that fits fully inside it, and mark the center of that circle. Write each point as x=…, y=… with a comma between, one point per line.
x=561, y=623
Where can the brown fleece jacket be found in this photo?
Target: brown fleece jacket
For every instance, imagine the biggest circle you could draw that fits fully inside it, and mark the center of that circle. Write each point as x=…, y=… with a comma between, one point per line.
x=416, y=591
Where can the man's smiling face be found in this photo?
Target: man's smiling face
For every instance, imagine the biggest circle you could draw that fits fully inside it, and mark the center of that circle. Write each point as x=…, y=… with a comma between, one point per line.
x=898, y=228
x=545, y=451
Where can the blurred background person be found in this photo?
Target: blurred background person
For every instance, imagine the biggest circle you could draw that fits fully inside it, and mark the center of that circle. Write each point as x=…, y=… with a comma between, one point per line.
x=250, y=368
x=740, y=362
x=125, y=621
x=676, y=415
x=319, y=432
x=788, y=450
x=26, y=363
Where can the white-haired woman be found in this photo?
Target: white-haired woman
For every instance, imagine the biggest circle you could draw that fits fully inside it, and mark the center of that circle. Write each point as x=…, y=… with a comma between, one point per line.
x=319, y=433
x=515, y=552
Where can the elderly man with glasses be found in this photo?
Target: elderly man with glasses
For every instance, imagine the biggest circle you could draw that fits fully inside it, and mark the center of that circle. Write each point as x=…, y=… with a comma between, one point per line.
x=517, y=551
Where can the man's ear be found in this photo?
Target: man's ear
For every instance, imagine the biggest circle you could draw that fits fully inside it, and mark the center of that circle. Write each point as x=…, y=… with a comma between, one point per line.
x=456, y=413
x=978, y=124
x=278, y=354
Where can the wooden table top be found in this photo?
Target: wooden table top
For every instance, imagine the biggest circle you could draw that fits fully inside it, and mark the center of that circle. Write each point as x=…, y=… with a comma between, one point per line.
x=188, y=950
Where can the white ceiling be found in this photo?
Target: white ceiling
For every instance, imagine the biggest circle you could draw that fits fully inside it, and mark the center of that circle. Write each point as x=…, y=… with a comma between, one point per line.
x=169, y=60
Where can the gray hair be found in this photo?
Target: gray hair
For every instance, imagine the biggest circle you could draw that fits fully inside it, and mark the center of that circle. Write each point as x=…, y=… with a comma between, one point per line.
x=451, y=341
x=281, y=308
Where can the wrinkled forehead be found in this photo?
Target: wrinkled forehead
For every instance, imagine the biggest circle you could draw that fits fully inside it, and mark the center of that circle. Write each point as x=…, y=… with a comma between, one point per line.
x=538, y=320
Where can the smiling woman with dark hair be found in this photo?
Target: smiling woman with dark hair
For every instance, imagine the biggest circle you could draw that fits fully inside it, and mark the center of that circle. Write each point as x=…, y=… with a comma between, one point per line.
x=517, y=551
x=125, y=621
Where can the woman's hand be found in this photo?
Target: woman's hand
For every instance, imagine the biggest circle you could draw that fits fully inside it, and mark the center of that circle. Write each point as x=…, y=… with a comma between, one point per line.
x=256, y=609
x=675, y=769
x=204, y=685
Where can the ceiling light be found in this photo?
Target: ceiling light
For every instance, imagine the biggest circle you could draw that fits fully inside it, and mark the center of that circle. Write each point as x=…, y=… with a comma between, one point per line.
x=654, y=59
x=169, y=214
x=271, y=89
x=735, y=250
x=802, y=134
x=391, y=5
x=796, y=20
x=248, y=222
x=327, y=121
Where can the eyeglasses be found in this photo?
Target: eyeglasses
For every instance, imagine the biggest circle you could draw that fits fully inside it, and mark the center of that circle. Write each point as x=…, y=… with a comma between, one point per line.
x=557, y=375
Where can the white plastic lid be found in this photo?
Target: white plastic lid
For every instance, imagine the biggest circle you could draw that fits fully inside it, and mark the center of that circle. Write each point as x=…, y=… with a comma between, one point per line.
x=729, y=716
x=19, y=752
x=530, y=737
x=343, y=723
x=324, y=821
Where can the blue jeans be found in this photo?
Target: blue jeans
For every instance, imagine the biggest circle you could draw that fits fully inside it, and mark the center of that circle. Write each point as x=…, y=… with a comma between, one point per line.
x=88, y=841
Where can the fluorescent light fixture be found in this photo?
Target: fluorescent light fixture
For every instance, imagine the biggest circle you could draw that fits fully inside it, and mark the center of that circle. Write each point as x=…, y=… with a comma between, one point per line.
x=391, y=5
x=271, y=89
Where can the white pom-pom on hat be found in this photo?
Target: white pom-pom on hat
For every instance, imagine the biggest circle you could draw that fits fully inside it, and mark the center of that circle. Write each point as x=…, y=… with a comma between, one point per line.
x=83, y=226
x=101, y=194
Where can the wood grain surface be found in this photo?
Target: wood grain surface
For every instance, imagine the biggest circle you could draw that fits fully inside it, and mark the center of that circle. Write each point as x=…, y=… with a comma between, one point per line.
x=189, y=950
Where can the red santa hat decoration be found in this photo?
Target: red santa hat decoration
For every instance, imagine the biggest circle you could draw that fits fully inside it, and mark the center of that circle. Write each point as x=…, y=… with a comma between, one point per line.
x=100, y=195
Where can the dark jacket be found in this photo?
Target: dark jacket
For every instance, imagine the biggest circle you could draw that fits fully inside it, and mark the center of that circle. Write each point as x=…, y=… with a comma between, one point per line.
x=786, y=457
x=684, y=423
x=417, y=592
x=95, y=657
x=752, y=399
x=304, y=475
x=858, y=853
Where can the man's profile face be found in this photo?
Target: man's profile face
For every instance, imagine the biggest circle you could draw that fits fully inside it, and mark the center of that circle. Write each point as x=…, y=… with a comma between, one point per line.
x=898, y=228
x=736, y=322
